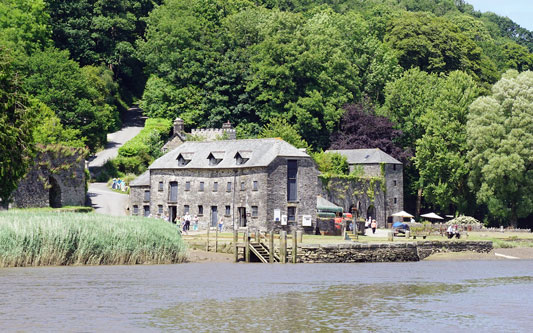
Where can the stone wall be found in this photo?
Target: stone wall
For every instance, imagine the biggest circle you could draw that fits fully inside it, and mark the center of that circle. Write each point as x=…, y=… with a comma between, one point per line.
x=427, y=248
x=307, y=191
x=361, y=194
x=137, y=199
x=238, y=196
x=386, y=252
x=213, y=134
x=56, y=179
x=393, y=189
x=357, y=252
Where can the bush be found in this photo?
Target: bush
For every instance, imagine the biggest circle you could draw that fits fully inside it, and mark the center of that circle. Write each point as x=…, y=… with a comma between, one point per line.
x=464, y=220
x=137, y=154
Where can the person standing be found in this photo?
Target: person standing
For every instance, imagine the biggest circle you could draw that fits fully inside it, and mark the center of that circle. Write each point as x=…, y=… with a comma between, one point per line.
x=195, y=223
x=374, y=225
x=187, y=219
x=220, y=224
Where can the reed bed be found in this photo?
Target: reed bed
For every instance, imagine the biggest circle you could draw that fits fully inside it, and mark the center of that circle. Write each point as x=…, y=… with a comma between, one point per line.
x=29, y=238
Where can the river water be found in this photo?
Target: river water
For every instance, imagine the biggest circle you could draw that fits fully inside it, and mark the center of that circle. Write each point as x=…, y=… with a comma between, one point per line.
x=443, y=296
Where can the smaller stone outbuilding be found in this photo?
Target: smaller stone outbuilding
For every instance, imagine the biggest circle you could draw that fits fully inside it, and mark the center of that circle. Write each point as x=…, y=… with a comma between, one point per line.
x=377, y=193
x=57, y=178
x=140, y=195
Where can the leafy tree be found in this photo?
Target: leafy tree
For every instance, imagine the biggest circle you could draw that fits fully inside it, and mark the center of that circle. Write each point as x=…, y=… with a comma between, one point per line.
x=280, y=128
x=441, y=152
x=16, y=122
x=49, y=130
x=331, y=163
x=361, y=128
x=500, y=139
x=24, y=25
x=436, y=45
x=72, y=93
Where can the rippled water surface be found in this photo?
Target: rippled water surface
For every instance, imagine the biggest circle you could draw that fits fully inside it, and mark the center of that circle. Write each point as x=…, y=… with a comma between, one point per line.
x=408, y=297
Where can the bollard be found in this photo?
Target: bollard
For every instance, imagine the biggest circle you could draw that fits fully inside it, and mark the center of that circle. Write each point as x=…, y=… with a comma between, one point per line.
x=207, y=243
x=407, y=234
x=300, y=234
x=294, y=247
x=390, y=236
x=283, y=246
x=235, y=240
x=247, y=246
x=216, y=240
x=271, y=247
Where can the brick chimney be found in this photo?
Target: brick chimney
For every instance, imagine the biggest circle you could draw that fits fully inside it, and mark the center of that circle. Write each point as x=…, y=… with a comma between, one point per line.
x=226, y=125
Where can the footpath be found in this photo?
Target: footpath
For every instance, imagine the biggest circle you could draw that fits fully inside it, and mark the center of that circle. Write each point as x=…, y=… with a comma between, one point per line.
x=99, y=196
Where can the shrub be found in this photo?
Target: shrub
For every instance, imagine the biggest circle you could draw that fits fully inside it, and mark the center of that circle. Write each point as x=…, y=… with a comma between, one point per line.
x=137, y=154
x=464, y=220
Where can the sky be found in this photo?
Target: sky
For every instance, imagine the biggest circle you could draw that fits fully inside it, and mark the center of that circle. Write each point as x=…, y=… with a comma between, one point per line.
x=520, y=11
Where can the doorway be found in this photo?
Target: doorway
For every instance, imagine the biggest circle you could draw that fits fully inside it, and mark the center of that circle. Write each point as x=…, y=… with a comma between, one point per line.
x=54, y=194
x=214, y=216
x=371, y=212
x=173, y=213
x=242, y=216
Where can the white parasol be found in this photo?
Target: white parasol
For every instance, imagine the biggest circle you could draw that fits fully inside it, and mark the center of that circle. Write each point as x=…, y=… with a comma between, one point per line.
x=402, y=214
x=432, y=216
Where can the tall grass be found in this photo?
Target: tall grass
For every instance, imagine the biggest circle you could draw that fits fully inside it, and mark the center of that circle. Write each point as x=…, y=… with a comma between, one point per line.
x=29, y=238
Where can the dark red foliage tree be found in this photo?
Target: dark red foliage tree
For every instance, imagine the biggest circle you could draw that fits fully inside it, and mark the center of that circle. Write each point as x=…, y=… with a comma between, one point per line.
x=361, y=128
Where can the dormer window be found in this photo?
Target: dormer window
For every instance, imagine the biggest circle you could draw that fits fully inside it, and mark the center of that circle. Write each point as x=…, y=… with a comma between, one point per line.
x=184, y=158
x=215, y=157
x=242, y=157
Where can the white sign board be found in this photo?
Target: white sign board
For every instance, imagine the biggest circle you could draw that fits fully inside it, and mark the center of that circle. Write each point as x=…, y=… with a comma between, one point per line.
x=283, y=219
x=277, y=215
x=306, y=220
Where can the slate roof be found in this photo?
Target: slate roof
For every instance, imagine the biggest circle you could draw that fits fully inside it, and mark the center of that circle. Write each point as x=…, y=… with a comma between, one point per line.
x=142, y=180
x=259, y=152
x=366, y=156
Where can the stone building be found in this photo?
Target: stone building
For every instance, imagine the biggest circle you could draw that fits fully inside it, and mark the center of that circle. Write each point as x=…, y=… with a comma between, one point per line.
x=264, y=183
x=56, y=179
x=378, y=192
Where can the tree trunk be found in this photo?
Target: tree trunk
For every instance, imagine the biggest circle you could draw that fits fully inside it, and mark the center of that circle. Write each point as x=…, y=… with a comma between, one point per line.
x=418, y=202
x=514, y=217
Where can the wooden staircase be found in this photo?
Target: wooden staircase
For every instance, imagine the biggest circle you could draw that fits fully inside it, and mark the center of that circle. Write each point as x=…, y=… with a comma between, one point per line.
x=262, y=252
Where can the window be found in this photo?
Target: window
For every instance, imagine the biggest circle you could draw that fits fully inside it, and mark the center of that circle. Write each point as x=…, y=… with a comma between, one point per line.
x=228, y=187
x=187, y=186
x=201, y=189
x=291, y=214
x=394, y=167
x=394, y=183
x=215, y=157
x=243, y=186
x=186, y=209
x=292, y=172
x=160, y=186
x=173, y=192
x=255, y=211
x=395, y=200
x=146, y=211
x=242, y=157
x=146, y=196
x=135, y=210
x=183, y=159
x=215, y=186
x=228, y=211
x=160, y=209
x=200, y=210
x=254, y=185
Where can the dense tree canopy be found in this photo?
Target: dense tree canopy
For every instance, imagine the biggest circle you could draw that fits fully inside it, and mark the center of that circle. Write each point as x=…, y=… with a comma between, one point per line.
x=500, y=139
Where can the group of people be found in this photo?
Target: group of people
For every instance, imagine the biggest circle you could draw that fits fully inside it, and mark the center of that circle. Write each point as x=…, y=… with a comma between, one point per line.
x=371, y=223
x=184, y=223
x=453, y=231
x=119, y=184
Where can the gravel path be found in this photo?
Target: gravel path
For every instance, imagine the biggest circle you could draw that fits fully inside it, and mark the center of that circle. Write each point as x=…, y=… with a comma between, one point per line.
x=99, y=196
x=105, y=201
x=132, y=123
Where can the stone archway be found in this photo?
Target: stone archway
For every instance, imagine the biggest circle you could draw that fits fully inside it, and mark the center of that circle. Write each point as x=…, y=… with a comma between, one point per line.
x=371, y=212
x=54, y=193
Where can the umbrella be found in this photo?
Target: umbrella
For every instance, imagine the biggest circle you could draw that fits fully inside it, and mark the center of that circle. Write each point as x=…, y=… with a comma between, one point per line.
x=432, y=216
x=402, y=214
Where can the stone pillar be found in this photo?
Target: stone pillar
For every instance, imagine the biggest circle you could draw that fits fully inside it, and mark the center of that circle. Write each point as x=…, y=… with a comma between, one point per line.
x=179, y=127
